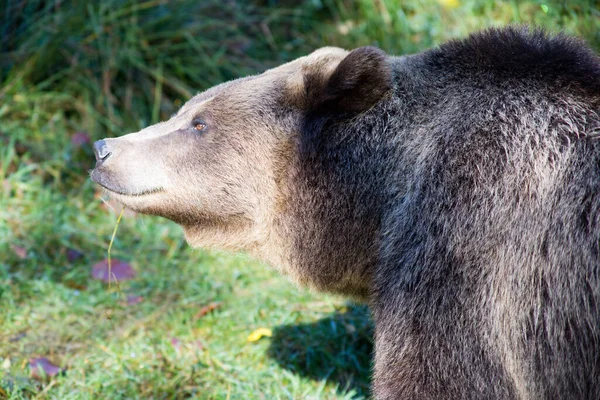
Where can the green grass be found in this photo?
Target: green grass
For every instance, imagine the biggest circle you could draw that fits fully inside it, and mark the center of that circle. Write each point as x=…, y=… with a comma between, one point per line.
x=116, y=66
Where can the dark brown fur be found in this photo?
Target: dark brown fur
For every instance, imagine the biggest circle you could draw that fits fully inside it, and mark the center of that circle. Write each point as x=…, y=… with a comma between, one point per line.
x=456, y=190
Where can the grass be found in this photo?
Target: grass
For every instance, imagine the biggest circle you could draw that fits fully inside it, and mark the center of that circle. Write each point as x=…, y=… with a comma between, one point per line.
x=113, y=67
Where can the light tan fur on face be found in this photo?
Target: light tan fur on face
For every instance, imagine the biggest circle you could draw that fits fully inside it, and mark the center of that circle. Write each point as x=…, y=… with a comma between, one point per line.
x=240, y=214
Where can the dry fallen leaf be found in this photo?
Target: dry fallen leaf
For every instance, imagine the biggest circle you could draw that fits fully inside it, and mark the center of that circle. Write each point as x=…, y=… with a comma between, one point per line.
x=21, y=252
x=42, y=366
x=259, y=333
x=80, y=139
x=71, y=284
x=206, y=309
x=73, y=255
x=120, y=271
x=133, y=299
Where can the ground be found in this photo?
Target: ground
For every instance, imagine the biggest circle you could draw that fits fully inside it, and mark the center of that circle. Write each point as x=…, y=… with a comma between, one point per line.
x=63, y=86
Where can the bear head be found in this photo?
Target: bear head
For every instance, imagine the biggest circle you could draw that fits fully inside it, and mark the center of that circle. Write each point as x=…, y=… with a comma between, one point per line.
x=220, y=166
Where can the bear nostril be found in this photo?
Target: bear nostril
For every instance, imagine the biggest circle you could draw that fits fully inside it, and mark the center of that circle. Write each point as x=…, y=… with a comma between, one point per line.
x=101, y=150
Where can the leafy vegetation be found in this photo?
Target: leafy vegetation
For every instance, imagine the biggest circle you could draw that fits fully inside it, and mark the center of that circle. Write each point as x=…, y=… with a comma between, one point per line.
x=72, y=72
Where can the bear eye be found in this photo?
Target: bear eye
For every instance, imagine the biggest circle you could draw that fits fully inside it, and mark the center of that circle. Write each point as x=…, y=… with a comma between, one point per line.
x=199, y=125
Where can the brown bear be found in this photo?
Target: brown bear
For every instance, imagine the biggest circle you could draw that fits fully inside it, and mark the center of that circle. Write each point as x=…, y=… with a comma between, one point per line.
x=457, y=191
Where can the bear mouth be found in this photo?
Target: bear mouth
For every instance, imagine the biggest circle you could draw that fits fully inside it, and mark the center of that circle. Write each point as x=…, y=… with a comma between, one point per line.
x=113, y=188
x=132, y=194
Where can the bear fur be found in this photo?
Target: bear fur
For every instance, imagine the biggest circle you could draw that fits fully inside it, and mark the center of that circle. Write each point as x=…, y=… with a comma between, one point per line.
x=457, y=191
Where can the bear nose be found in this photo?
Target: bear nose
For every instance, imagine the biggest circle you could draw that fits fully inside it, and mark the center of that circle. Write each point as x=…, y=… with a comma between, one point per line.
x=101, y=150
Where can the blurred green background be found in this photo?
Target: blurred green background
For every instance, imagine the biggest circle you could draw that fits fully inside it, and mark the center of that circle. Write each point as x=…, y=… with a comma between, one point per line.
x=72, y=72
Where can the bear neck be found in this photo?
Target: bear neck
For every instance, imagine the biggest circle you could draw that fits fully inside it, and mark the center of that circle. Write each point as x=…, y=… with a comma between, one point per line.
x=327, y=223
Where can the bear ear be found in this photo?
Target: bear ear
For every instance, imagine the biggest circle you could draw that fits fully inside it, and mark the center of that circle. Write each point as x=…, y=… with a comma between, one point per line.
x=358, y=82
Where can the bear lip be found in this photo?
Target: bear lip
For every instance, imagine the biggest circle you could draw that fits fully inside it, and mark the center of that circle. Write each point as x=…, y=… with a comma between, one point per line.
x=97, y=178
x=136, y=194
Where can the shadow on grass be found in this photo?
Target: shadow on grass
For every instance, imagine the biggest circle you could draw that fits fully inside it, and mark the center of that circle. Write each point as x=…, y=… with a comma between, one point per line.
x=337, y=348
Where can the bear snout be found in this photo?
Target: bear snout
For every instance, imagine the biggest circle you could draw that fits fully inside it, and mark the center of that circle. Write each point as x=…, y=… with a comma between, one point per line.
x=127, y=168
